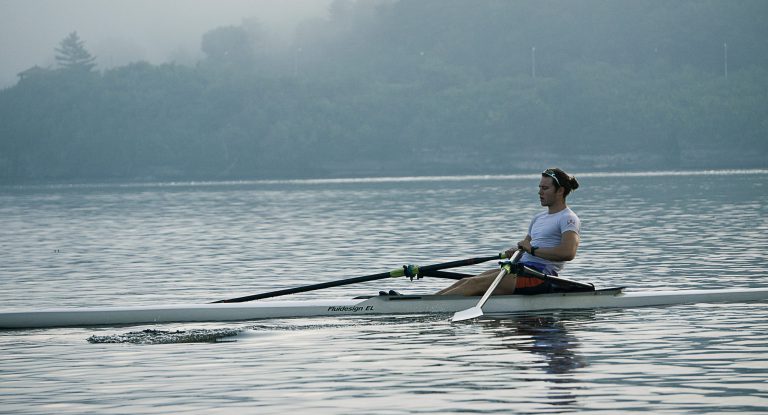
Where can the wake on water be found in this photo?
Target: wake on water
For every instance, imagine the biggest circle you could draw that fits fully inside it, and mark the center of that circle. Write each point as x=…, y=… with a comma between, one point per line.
x=151, y=336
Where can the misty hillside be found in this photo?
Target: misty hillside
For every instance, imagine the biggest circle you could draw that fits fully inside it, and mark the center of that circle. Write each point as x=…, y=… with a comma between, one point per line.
x=409, y=88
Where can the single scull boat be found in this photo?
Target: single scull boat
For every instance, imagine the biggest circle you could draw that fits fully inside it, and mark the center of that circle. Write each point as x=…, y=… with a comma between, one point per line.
x=366, y=306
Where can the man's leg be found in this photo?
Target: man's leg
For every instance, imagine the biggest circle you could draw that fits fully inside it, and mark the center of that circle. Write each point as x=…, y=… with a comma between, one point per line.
x=478, y=284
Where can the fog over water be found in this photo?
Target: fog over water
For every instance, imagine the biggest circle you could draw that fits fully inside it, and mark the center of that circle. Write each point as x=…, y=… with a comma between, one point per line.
x=119, y=32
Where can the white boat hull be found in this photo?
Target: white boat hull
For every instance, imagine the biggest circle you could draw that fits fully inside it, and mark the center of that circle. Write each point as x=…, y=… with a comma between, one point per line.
x=386, y=305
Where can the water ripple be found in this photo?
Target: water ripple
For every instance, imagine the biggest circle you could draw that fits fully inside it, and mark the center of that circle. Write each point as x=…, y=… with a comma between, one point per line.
x=144, y=244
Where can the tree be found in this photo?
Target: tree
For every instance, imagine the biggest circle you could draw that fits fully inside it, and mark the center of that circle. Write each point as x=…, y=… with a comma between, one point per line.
x=71, y=54
x=230, y=44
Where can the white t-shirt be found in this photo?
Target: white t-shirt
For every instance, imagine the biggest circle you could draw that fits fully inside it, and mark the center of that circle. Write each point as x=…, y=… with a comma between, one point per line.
x=546, y=232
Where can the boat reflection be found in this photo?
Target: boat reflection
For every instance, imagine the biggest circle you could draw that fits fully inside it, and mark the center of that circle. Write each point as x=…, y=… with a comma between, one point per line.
x=547, y=334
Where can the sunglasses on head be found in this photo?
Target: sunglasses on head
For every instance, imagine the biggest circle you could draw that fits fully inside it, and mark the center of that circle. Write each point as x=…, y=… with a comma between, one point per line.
x=551, y=173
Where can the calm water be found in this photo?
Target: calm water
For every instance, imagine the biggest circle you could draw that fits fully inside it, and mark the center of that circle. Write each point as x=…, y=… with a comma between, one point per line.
x=174, y=243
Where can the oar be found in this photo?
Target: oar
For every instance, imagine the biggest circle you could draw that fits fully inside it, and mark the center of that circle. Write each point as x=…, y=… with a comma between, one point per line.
x=573, y=286
x=443, y=274
x=410, y=270
x=477, y=310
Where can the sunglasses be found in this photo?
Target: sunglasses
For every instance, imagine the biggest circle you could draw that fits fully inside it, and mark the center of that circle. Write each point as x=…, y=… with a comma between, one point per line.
x=551, y=173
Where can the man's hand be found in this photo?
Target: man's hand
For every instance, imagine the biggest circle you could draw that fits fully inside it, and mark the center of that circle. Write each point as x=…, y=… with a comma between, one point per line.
x=524, y=245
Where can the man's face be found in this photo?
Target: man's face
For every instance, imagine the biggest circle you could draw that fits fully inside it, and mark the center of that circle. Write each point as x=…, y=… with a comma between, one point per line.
x=547, y=193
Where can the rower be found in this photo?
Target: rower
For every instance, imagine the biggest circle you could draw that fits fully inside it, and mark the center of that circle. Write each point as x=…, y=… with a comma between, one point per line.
x=551, y=241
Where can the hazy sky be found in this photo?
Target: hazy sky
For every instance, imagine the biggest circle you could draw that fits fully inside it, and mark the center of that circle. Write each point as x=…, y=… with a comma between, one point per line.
x=121, y=31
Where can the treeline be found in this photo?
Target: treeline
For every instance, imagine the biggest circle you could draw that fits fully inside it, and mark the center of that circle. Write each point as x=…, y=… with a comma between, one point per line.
x=412, y=87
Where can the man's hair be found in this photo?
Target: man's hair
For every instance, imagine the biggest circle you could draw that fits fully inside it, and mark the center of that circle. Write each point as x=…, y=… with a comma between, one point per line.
x=561, y=179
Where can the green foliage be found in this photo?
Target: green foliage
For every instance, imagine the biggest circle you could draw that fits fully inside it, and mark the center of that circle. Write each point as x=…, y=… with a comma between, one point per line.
x=406, y=87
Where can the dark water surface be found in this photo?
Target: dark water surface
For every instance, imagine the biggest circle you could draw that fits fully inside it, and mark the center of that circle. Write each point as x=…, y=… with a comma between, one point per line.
x=145, y=244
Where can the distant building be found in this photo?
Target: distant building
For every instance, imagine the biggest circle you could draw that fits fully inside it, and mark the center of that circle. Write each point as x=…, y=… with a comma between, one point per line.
x=33, y=71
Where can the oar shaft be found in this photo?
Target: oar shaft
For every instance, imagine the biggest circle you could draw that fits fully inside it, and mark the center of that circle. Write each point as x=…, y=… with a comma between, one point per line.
x=399, y=272
x=460, y=263
x=477, y=311
x=444, y=274
x=505, y=269
x=572, y=285
x=305, y=288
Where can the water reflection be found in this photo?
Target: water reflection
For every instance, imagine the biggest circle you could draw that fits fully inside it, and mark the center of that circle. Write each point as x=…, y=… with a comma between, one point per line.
x=475, y=357
x=148, y=246
x=549, y=338
x=546, y=336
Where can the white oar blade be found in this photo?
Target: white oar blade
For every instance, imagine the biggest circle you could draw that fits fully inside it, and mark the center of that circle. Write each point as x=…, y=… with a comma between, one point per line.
x=468, y=314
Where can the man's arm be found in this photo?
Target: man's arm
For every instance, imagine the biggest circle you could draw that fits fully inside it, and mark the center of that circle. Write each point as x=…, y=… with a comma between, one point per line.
x=511, y=251
x=566, y=251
